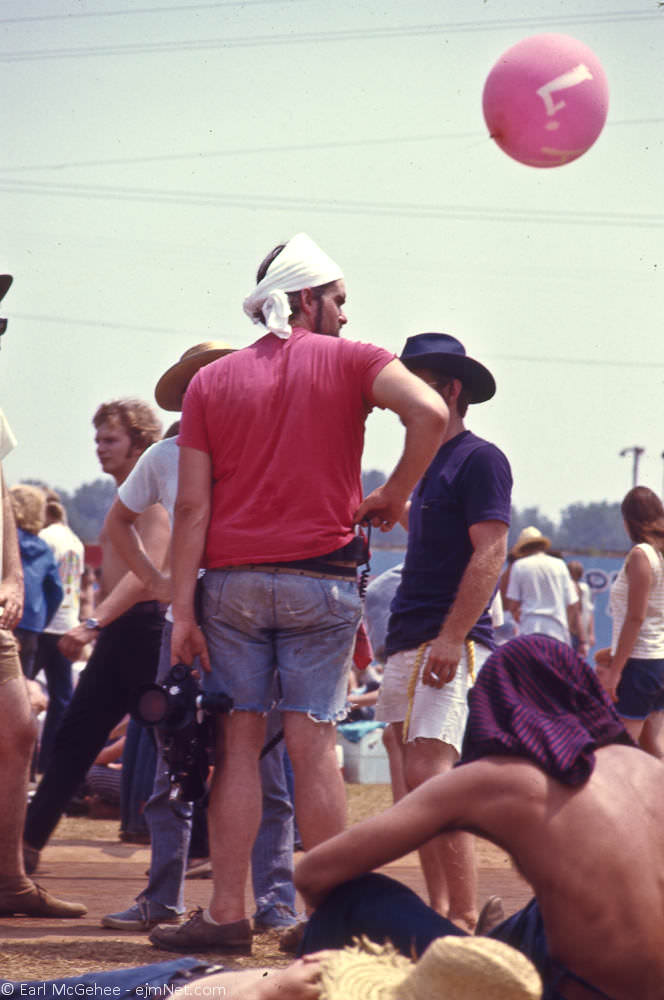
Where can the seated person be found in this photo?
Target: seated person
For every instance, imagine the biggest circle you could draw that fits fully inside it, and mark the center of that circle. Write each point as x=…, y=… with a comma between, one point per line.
x=549, y=774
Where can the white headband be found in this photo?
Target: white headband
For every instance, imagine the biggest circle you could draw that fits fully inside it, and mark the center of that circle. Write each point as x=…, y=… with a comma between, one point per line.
x=301, y=264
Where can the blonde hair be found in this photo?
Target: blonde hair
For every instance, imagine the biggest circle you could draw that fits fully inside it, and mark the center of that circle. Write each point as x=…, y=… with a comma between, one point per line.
x=29, y=503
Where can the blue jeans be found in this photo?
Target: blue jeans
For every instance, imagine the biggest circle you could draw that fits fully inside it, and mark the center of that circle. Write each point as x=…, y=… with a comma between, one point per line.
x=386, y=910
x=268, y=622
x=272, y=858
x=57, y=671
x=272, y=854
x=124, y=659
x=143, y=981
x=139, y=759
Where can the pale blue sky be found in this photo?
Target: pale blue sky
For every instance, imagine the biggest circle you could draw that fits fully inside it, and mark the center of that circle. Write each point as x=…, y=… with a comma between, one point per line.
x=153, y=155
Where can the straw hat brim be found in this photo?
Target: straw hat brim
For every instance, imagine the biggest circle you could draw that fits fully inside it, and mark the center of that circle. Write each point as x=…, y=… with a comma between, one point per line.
x=173, y=383
x=463, y=968
x=524, y=540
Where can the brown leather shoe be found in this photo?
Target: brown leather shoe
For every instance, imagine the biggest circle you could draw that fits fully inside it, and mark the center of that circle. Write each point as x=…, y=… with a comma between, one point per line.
x=199, y=935
x=491, y=914
x=33, y=901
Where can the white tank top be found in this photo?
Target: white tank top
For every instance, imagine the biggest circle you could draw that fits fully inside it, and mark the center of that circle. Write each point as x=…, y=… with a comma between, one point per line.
x=650, y=641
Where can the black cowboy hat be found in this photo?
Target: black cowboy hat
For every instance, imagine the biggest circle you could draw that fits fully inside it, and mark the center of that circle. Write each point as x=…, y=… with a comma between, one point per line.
x=5, y=282
x=439, y=352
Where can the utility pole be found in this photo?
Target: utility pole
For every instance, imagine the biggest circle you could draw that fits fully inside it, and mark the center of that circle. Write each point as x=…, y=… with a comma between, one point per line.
x=636, y=451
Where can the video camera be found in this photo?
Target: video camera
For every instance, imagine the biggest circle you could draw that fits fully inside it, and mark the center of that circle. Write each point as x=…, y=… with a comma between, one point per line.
x=184, y=717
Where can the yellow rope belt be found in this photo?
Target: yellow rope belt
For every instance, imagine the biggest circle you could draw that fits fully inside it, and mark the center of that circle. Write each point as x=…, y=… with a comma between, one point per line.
x=414, y=677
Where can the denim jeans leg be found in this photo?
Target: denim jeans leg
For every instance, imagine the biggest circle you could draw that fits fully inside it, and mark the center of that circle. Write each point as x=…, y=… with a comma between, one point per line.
x=58, y=674
x=272, y=855
x=138, y=770
x=169, y=832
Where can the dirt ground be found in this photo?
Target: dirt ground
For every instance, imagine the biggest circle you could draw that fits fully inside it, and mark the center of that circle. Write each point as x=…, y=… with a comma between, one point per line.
x=86, y=862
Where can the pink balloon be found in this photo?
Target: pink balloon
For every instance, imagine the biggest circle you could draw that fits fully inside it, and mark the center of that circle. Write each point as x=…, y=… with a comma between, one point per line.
x=545, y=101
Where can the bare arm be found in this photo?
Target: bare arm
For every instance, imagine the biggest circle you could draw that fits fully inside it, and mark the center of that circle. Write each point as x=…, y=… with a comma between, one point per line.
x=190, y=524
x=424, y=414
x=442, y=803
x=575, y=626
x=11, y=585
x=638, y=574
x=154, y=531
x=489, y=540
x=120, y=528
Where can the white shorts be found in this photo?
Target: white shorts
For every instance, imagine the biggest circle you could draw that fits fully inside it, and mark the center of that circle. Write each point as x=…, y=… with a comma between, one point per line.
x=435, y=713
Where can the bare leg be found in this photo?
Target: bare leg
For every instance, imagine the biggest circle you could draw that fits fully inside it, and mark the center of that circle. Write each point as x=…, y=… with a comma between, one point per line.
x=17, y=738
x=395, y=755
x=448, y=861
x=320, y=796
x=652, y=735
x=234, y=812
x=634, y=727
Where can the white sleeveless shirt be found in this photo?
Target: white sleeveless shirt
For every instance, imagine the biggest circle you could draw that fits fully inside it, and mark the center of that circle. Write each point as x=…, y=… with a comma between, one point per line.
x=650, y=641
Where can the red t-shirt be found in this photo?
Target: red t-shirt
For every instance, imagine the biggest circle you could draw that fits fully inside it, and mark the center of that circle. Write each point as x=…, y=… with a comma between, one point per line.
x=283, y=423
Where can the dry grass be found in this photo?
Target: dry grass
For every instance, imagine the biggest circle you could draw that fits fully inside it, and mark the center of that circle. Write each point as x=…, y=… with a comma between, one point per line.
x=37, y=950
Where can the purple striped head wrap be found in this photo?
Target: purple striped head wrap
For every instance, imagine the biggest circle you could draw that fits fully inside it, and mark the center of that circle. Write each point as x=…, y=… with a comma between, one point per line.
x=536, y=698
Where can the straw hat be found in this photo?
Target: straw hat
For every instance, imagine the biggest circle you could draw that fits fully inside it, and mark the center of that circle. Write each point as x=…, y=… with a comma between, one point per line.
x=452, y=968
x=530, y=536
x=173, y=383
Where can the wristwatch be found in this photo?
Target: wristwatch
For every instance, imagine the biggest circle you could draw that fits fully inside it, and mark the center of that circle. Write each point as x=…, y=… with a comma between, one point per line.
x=92, y=623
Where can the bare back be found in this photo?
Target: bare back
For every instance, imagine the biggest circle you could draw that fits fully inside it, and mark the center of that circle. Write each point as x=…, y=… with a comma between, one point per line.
x=595, y=858
x=593, y=854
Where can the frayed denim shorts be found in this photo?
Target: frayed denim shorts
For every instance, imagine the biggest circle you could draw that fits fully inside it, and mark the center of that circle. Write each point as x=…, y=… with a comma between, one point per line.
x=641, y=689
x=301, y=628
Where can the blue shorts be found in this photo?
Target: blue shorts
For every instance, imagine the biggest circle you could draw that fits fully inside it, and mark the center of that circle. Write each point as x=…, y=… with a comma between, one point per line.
x=641, y=689
x=258, y=623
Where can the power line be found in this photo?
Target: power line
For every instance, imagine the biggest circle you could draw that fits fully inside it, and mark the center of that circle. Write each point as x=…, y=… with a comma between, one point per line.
x=182, y=8
x=519, y=358
x=318, y=37
x=463, y=213
x=271, y=150
x=130, y=12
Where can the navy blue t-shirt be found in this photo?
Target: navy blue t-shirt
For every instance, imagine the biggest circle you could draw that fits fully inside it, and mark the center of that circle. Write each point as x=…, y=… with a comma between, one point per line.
x=469, y=481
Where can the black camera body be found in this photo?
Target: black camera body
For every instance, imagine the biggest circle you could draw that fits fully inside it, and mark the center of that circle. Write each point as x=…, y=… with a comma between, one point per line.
x=184, y=717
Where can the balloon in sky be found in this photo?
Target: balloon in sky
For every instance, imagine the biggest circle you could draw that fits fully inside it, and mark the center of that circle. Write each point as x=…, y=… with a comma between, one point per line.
x=545, y=101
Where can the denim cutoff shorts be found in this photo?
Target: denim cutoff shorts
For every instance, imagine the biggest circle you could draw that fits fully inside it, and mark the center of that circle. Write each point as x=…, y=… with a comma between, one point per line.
x=258, y=623
x=641, y=689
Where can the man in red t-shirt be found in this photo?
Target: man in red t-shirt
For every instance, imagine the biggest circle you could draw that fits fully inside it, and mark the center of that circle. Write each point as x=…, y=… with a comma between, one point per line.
x=268, y=498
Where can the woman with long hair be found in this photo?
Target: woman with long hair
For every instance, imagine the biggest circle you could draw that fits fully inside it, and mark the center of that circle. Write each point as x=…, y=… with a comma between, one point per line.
x=632, y=670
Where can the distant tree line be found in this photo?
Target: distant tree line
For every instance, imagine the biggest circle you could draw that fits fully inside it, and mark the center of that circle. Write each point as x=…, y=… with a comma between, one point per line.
x=583, y=527
x=86, y=507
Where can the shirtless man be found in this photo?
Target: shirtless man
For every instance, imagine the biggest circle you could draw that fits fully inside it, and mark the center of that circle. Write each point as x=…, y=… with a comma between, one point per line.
x=126, y=628
x=569, y=796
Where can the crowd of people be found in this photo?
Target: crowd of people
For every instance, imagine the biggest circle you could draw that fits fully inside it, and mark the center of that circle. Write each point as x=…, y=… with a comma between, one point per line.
x=233, y=547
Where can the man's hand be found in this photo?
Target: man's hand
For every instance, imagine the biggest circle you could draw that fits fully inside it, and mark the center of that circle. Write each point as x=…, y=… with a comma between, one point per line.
x=72, y=643
x=160, y=585
x=11, y=603
x=187, y=643
x=300, y=981
x=382, y=508
x=442, y=662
